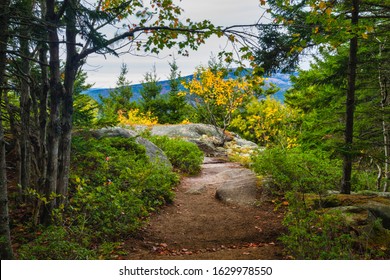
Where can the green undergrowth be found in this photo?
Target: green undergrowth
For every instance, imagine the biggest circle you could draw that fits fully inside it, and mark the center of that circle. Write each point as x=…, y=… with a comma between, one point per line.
x=292, y=169
x=313, y=232
x=184, y=155
x=327, y=234
x=113, y=188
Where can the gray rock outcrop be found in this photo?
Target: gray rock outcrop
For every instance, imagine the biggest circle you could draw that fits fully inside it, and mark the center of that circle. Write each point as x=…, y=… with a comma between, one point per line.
x=227, y=181
x=239, y=187
x=379, y=210
x=206, y=137
x=153, y=152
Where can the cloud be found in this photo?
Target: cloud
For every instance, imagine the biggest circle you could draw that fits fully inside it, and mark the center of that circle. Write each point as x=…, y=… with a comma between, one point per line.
x=103, y=72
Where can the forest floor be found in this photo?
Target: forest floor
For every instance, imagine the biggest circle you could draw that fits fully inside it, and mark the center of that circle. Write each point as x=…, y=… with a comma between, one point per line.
x=197, y=226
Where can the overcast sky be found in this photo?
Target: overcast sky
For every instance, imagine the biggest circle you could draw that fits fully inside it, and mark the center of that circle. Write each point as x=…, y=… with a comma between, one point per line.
x=103, y=71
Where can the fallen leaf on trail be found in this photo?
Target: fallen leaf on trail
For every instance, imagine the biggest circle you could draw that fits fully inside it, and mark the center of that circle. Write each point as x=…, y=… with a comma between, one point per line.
x=259, y=229
x=246, y=253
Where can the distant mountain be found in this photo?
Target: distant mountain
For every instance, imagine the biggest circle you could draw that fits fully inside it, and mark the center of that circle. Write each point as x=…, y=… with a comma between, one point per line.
x=282, y=81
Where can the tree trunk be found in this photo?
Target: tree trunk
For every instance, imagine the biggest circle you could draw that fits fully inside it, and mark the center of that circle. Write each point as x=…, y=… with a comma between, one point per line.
x=67, y=105
x=43, y=103
x=350, y=105
x=384, y=103
x=42, y=119
x=11, y=110
x=25, y=102
x=54, y=129
x=5, y=235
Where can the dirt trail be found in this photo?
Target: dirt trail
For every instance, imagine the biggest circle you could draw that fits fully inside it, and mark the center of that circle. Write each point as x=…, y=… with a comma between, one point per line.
x=198, y=226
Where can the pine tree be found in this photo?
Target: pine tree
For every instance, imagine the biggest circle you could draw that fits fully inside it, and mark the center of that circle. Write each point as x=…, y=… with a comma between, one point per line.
x=119, y=99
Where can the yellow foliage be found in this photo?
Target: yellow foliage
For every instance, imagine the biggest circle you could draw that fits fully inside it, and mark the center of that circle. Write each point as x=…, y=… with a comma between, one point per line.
x=291, y=142
x=322, y=5
x=266, y=122
x=213, y=89
x=134, y=116
x=181, y=93
x=328, y=11
x=185, y=121
x=219, y=98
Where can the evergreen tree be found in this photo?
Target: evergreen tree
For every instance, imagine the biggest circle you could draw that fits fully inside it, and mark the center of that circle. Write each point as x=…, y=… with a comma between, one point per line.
x=150, y=88
x=85, y=108
x=152, y=101
x=318, y=93
x=323, y=24
x=177, y=106
x=119, y=99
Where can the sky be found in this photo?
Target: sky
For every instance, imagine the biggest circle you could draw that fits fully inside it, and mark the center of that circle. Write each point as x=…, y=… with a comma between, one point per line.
x=103, y=71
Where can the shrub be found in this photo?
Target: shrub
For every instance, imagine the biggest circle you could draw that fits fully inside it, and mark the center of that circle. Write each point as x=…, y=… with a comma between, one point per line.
x=183, y=155
x=55, y=243
x=115, y=185
x=316, y=235
x=364, y=180
x=134, y=117
x=327, y=234
x=113, y=188
x=292, y=169
x=266, y=122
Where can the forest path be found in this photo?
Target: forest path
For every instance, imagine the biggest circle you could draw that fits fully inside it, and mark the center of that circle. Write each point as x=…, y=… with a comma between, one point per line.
x=198, y=226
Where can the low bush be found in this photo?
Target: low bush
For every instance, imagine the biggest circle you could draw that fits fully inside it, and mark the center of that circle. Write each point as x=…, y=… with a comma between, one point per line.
x=327, y=234
x=113, y=188
x=183, y=155
x=55, y=243
x=292, y=169
x=115, y=185
x=312, y=232
x=317, y=236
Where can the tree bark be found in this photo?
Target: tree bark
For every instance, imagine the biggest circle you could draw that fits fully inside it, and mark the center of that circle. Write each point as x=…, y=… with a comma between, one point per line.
x=54, y=128
x=350, y=105
x=43, y=103
x=67, y=105
x=25, y=101
x=11, y=110
x=5, y=234
x=383, y=80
